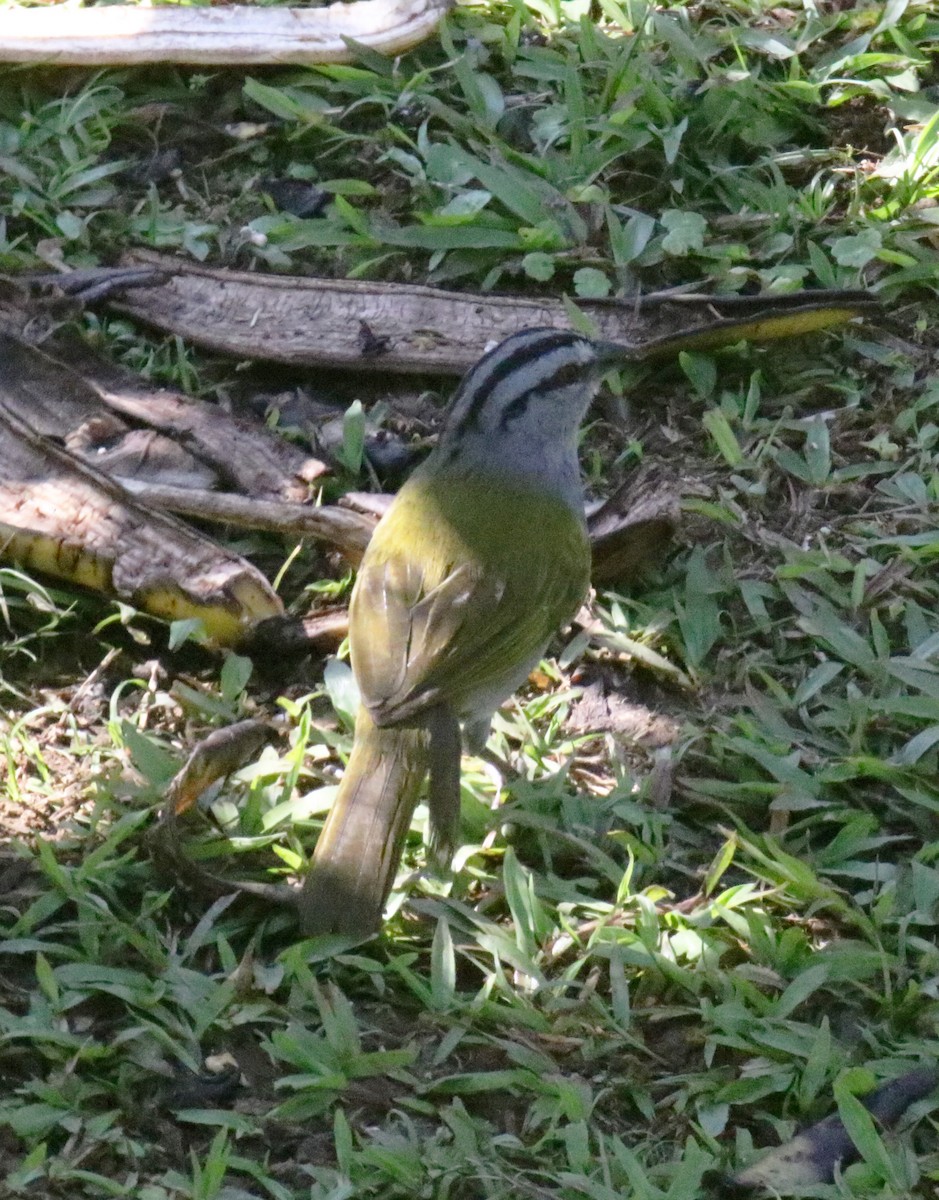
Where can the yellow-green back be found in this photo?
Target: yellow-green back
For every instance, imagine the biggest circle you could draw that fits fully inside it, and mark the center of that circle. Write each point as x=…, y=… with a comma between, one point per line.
x=464, y=582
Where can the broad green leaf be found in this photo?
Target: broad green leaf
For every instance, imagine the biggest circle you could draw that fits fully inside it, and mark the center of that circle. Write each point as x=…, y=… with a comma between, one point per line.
x=916, y=747
x=857, y=250
x=817, y=451
x=234, y=675
x=291, y=104
x=352, y=451
x=591, y=284
x=629, y=239
x=801, y=988
x=714, y=420
x=864, y=1133
x=539, y=265
x=700, y=370
x=719, y=866
x=341, y=688
x=686, y=231
x=442, y=967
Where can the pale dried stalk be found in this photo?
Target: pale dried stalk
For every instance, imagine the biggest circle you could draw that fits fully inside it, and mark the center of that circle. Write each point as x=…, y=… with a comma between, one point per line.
x=119, y=35
x=349, y=531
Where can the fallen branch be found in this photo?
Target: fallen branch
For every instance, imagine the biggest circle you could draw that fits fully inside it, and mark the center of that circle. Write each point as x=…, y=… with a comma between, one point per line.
x=72, y=393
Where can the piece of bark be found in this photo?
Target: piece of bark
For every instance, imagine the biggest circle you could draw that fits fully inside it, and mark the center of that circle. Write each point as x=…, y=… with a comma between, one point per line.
x=137, y=456
x=62, y=519
x=247, y=457
x=374, y=504
x=326, y=322
x=88, y=284
x=327, y=629
x=288, y=637
x=58, y=403
x=121, y=35
x=631, y=531
x=63, y=386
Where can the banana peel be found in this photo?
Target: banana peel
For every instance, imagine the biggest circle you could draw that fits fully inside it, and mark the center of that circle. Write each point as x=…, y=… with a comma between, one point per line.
x=766, y=321
x=394, y=327
x=216, y=756
x=60, y=518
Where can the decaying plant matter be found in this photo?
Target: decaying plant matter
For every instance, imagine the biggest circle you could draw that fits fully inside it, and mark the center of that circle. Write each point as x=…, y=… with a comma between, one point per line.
x=61, y=518
x=369, y=326
x=93, y=455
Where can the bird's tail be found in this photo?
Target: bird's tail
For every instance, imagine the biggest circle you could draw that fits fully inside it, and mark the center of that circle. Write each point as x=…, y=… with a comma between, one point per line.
x=358, y=852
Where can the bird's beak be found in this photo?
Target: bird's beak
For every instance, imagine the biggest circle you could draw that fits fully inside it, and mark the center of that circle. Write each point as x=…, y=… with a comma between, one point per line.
x=614, y=354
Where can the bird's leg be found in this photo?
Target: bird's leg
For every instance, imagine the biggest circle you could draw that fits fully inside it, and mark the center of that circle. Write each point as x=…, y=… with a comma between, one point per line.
x=444, y=788
x=475, y=736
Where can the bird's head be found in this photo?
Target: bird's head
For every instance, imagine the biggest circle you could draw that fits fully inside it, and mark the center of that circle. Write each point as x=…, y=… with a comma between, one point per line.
x=542, y=378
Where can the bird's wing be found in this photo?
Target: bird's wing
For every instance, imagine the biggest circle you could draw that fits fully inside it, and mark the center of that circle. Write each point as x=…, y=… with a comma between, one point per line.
x=416, y=643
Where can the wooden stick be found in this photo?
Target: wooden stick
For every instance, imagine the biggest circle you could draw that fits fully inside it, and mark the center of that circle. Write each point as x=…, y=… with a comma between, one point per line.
x=349, y=531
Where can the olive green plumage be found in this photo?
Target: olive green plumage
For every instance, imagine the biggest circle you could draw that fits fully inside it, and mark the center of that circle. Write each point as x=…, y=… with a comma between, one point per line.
x=443, y=606
x=482, y=555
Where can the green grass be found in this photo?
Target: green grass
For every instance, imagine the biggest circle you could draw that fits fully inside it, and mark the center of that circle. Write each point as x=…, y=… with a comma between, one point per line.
x=648, y=961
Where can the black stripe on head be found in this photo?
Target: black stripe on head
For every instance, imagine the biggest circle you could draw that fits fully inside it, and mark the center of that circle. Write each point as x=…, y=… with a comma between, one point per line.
x=566, y=375
x=503, y=361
